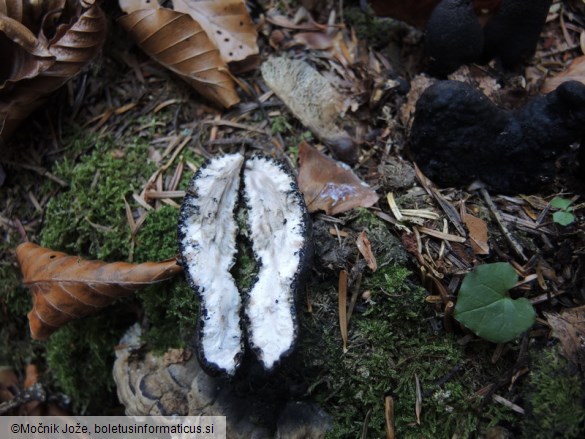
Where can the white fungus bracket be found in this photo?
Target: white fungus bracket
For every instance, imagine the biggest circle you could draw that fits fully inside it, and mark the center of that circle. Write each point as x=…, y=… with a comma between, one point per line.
x=279, y=231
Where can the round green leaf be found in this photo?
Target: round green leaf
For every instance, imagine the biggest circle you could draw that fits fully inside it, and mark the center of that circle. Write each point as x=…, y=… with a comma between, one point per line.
x=560, y=203
x=563, y=218
x=484, y=307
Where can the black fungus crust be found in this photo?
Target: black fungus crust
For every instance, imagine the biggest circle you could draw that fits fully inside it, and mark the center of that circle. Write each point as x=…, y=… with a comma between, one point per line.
x=305, y=258
x=459, y=136
x=186, y=212
x=453, y=36
x=512, y=34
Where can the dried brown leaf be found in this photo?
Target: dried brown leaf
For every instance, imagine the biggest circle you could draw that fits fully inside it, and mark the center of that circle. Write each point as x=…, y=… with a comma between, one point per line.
x=179, y=43
x=28, y=56
x=575, y=72
x=365, y=248
x=67, y=287
x=478, y=234
x=330, y=185
x=569, y=328
x=129, y=6
x=72, y=47
x=227, y=23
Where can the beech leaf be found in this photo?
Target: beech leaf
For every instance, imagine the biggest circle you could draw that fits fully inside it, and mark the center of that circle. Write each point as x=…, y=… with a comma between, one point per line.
x=484, y=307
x=39, y=67
x=66, y=288
x=179, y=43
x=227, y=23
x=478, y=234
x=330, y=185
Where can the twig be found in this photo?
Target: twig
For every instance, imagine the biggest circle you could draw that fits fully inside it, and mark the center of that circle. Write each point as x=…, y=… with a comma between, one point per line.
x=511, y=240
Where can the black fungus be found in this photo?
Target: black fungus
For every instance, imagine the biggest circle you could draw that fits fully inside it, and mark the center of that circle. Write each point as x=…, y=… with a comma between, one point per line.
x=512, y=34
x=453, y=36
x=459, y=136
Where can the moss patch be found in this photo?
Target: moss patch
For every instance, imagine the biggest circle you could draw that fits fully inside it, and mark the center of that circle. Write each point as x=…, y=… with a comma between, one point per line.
x=89, y=217
x=555, y=398
x=80, y=357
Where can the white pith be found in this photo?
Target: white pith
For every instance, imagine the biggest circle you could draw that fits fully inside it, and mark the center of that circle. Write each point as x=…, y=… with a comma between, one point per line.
x=275, y=220
x=209, y=248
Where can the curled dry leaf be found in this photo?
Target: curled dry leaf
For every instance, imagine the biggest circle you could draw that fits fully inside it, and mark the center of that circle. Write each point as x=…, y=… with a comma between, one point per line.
x=67, y=287
x=575, y=72
x=179, y=43
x=67, y=37
x=329, y=185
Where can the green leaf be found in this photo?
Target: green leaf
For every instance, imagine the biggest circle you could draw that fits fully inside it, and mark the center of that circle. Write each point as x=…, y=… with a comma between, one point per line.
x=563, y=218
x=484, y=307
x=560, y=203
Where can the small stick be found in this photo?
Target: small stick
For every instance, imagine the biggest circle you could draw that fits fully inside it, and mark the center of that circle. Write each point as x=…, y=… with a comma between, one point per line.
x=511, y=240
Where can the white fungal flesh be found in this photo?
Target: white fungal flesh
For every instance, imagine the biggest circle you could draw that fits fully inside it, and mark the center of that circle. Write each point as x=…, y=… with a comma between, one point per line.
x=277, y=230
x=208, y=233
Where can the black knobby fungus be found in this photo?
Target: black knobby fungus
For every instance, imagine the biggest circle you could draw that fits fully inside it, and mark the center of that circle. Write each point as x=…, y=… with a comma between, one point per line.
x=453, y=36
x=279, y=231
x=459, y=136
x=512, y=34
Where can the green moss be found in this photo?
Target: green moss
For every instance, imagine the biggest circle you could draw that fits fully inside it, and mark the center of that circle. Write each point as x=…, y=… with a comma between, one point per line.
x=555, y=400
x=374, y=30
x=80, y=357
x=157, y=238
x=171, y=307
x=390, y=344
x=88, y=218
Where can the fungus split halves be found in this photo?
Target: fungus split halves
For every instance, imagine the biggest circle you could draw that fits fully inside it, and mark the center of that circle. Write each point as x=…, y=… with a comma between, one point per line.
x=279, y=231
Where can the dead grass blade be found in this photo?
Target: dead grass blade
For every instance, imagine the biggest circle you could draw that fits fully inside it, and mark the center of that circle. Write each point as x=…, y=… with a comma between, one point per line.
x=342, y=290
x=389, y=417
x=179, y=43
